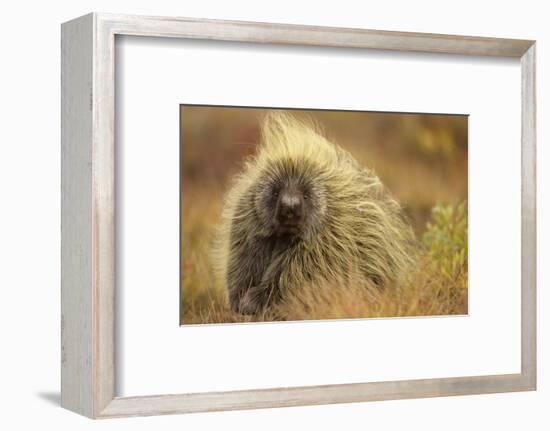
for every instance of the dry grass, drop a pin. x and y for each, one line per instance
(421, 159)
(438, 286)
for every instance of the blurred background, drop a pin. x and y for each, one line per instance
(421, 158)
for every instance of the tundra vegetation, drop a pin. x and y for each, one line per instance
(422, 160)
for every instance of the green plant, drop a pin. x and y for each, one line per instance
(446, 241)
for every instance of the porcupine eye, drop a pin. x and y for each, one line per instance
(306, 192)
(274, 193)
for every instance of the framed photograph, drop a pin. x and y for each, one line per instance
(265, 215)
(280, 223)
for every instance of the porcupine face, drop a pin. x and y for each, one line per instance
(290, 200)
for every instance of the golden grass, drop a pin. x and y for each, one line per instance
(428, 293)
(438, 286)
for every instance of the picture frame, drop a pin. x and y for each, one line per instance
(88, 383)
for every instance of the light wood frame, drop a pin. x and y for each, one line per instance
(88, 215)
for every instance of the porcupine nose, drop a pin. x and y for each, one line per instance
(290, 208)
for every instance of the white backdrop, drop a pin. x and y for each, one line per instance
(29, 228)
(156, 75)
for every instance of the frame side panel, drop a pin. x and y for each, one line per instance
(529, 219)
(76, 215)
(258, 32)
(312, 395)
(103, 213)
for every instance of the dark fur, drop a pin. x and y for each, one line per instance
(263, 244)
